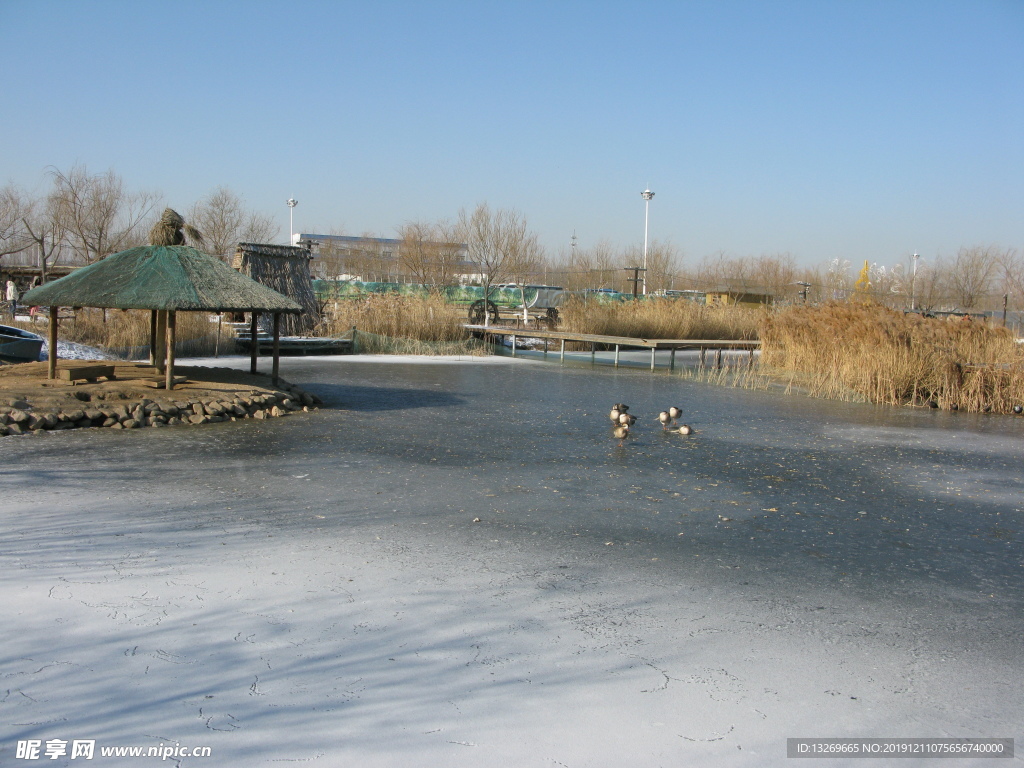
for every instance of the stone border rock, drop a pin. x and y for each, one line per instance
(19, 418)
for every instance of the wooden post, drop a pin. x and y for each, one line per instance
(277, 349)
(216, 346)
(703, 356)
(355, 346)
(593, 352)
(672, 360)
(545, 346)
(254, 343)
(171, 323)
(161, 341)
(718, 358)
(152, 337)
(51, 365)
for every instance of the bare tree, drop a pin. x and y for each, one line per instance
(46, 228)
(219, 216)
(13, 206)
(838, 280)
(776, 272)
(259, 228)
(224, 221)
(430, 253)
(930, 291)
(972, 274)
(662, 258)
(100, 216)
(596, 267)
(499, 242)
(1011, 273)
(887, 284)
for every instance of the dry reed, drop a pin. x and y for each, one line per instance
(125, 333)
(854, 351)
(402, 325)
(658, 318)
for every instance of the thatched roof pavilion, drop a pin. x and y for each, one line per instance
(285, 269)
(164, 279)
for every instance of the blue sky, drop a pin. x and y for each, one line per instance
(859, 130)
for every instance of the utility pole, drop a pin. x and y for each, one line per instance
(292, 202)
(635, 279)
(647, 195)
(913, 283)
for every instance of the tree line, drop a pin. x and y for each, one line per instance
(83, 217)
(502, 249)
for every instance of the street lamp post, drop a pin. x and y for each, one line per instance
(913, 283)
(292, 202)
(647, 195)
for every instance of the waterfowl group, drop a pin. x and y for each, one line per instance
(622, 420)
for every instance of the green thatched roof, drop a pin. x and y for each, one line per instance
(171, 277)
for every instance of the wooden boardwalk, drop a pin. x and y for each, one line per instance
(620, 342)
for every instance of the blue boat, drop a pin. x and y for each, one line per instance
(19, 346)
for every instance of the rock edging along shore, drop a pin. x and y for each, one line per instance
(18, 417)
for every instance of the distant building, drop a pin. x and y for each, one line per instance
(737, 292)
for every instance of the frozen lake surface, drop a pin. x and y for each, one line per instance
(315, 588)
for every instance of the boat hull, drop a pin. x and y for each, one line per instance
(19, 346)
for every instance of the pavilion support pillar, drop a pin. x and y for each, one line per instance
(51, 341)
(171, 319)
(160, 356)
(277, 349)
(152, 337)
(254, 342)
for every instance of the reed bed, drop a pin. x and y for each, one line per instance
(660, 319)
(853, 351)
(125, 333)
(395, 324)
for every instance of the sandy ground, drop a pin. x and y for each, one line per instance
(27, 382)
(315, 590)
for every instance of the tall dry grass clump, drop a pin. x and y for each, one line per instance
(408, 324)
(885, 356)
(658, 318)
(125, 333)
